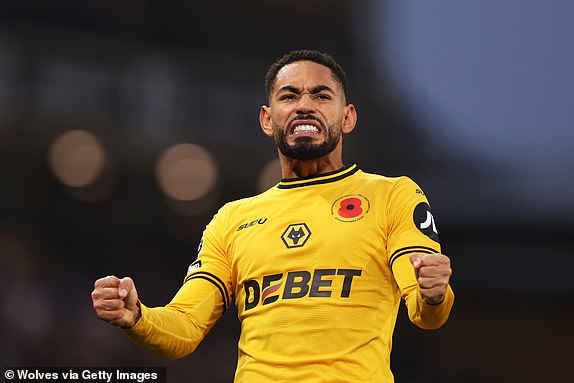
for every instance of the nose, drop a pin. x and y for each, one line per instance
(305, 104)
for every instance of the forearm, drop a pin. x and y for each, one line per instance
(175, 330)
(422, 314)
(428, 316)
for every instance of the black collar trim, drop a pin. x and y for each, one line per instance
(344, 172)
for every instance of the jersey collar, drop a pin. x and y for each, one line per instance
(344, 172)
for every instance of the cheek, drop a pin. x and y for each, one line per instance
(279, 119)
(333, 116)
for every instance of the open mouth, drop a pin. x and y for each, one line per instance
(305, 128)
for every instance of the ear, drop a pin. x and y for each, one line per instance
(350, 119)
(265, 121)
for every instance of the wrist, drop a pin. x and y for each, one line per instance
(136, 317)
(435, 301)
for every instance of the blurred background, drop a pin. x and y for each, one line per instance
(125, 125)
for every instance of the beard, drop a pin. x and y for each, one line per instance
(304, 148)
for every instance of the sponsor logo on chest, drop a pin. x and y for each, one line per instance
(298, 284)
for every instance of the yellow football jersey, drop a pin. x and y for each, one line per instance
(315, 267)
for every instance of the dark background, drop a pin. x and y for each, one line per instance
(472, 100)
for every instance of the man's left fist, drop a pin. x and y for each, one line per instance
(433, 274)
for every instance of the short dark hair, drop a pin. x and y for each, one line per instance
(305, 55)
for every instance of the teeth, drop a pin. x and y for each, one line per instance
(305, 128)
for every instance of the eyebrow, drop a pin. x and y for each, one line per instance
(315, 90)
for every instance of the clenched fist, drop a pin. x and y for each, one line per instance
(433, 274)
(115, 301)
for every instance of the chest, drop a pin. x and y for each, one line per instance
(308, 235)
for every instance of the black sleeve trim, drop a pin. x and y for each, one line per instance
(216, 281)
(408, 250)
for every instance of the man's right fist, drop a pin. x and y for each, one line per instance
(116, 301)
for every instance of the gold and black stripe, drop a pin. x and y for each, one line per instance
(410, 249)
(216, 281)
(291, 183)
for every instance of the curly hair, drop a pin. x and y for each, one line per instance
(305, 55)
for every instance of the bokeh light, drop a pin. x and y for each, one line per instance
(77, 158)
(186, 172)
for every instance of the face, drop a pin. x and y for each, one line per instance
(307, 111)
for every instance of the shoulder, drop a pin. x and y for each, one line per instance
(398, 192)
(391, 182)
(246, 205)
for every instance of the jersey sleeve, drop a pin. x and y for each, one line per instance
(412, 229)
(175, 330)
(213, 262)
(411, 226)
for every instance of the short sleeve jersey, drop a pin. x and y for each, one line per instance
(308, 264)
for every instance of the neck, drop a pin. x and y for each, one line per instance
(291, 168)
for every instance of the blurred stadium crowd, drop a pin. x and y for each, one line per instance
(124, 126)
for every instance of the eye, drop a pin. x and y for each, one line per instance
(323, 96)
(287, 97)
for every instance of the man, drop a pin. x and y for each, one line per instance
(316, 265)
